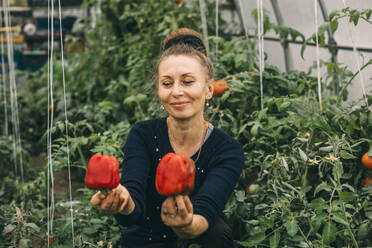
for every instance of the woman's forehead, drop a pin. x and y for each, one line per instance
(180, 64)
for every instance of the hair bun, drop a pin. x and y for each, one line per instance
(187, 39)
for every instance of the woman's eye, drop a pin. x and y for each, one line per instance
(188, 81)
(166, 83)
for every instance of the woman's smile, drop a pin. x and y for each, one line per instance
(179, 105)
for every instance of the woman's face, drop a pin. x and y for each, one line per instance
(183, 87)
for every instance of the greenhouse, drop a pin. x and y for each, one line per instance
(186, 123)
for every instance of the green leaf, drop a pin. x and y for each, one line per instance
(240, 195)
(346, 196)
(318, 220)
(89, 230)
(269, 223)
(333, 14)
(254, 240)
(9, 228)
(363, 231)
(292, 227)
(368, 14)
(284, 105)
(260, 206)
(322, 186)
(369, 214)
(302, 154)
(290, 186)
(275, 239)
(239, 60)
(346, 155)
(326, 148)
(354, 17)
(329, 232)
(334, 25)
(24, 243)
(323, 28)
(284, 163)
(318, 204)
(348, 186)
(96, 221)
(225, 96)
(339, 219)
(33, 226)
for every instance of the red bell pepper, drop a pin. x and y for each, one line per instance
(175, 175)
(102, 172)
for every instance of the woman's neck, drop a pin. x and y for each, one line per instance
(186, 136)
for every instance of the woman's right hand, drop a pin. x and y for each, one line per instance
(118, 200)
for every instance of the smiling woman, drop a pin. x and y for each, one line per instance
(183, 87)
(184, 82)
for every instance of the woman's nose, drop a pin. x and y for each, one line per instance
(177, 88)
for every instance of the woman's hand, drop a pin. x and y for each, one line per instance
(118, 200)
(177, 211)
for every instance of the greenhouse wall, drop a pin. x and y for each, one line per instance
(300, 16)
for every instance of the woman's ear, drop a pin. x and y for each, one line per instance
(210, 87)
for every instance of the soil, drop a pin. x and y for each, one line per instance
(61, 180)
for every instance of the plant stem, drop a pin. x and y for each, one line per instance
(349, 229)
(306, 240)
(82, 158)
(351, 79)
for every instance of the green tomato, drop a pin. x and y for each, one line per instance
(255, 130)
(253, 188)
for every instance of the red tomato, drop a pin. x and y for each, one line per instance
(175, 175)
(220, 87)
(247, 190)
(102, 172)
(367, 160)
(367, 181)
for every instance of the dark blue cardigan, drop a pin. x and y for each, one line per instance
(217, 171)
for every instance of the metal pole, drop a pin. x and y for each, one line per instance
(240, 14)
(283, 42)
(346, 48)
(332, 45)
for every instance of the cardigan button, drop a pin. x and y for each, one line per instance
(157, 149)
(164, 236)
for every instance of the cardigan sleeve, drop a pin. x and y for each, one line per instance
(226, 166)
(136, 168)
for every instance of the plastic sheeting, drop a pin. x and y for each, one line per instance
(299, 14)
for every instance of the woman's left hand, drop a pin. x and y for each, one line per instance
(177, 211)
